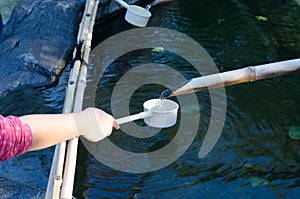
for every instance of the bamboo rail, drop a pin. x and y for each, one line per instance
(70, 165)
(58, 186)
(247, 74)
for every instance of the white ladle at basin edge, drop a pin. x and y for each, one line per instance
(157, 113)
(136, 15)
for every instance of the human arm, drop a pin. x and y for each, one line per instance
(50, 129)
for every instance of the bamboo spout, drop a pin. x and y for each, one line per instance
(247, 74)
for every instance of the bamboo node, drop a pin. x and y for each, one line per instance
(252, 73)
(57, 177)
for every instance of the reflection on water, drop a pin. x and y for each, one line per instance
(254, 141)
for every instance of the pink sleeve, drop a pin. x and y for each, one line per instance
(15, 137)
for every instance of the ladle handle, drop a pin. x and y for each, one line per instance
(123, 3)
(131, 118)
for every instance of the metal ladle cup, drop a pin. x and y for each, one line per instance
(157, 113)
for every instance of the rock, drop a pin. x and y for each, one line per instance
(39, 38)
(37, 41)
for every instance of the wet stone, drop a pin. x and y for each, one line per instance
(37, 41)
(39, 38)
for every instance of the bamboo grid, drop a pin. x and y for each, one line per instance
(62, 173)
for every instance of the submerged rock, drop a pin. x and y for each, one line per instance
(37, 41)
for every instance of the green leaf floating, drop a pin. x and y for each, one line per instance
(220, 21)
(257, 181)
(294, 133)
(262, 18)
(158, 49)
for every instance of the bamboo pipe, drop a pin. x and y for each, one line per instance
(55, 177)
(247, 74)
(82, 27)
(70, 165)
(156, 2)
(161, 1)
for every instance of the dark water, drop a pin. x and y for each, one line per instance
(254, 140)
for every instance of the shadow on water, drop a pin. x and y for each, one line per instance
(254, 140)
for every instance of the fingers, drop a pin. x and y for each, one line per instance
(116, 125)
(95, 124)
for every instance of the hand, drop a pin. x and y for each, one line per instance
(94, 124)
